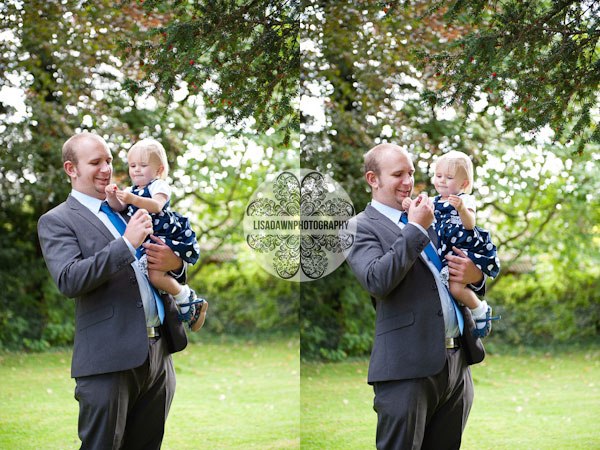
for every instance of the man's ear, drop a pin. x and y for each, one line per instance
(372, 179)
(70, 168)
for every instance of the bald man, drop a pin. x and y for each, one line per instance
(124, 333)
(424, 342)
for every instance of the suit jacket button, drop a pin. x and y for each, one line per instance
(440, 313)
(139, 304)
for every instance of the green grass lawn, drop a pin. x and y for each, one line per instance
(535, 401)
(230, 395)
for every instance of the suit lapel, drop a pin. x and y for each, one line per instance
(88, 216)
(373, 214)
(433, 237)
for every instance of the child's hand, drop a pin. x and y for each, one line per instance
(406, 204)
(111, 189)
(456, 201)
(125, 197)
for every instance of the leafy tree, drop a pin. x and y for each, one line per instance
(241, 58)
(537, 198)
(539, 61)
(58, 59)
(61, 59)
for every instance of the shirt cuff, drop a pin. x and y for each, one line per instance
(131, 249)
(420, 227)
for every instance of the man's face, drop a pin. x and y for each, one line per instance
(93, 171)
(395, 180)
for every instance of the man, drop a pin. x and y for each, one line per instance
(419, 361)
(124, 374)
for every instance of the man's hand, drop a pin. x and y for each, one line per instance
(138, 227)
(462, 269)
(161, 257)
(421, 211)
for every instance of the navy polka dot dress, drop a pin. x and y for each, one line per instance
(171, 227)
(476, 243)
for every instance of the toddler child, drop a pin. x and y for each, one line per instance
(454, 223)
(148, 169)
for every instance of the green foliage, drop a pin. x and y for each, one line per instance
(536, 197)
(553, 305)
(243, 298)
(337, 318)
(62, 60)
(241, 58)
(538, 61)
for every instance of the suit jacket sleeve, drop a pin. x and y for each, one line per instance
(73, 274)
(380, 269)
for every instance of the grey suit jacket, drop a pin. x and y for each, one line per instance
(409, 325)
(90, 265)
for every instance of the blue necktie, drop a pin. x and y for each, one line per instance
(437, 262)
(119, 224)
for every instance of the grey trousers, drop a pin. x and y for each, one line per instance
(425, 413)
(128, 409)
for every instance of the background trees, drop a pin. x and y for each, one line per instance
(241, 59)
(364, 65)
(370, 74)
(539, 61)
(64, 72)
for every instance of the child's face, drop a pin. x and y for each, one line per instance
(447, 182)
(141, 170)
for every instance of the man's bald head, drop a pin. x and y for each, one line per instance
(374, 156)
(74, 143)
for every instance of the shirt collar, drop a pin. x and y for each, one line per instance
(91, 203)
(391, 213)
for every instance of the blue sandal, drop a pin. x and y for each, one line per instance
(485, 331)
(191, 312)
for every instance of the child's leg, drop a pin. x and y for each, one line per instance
(479, 308)
(464, 295)
(165, 282)
(181, 294)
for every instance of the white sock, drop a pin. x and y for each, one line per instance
(479, 313)
(182, 297)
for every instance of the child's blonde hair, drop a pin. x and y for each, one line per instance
(458, 161)
(150, 149)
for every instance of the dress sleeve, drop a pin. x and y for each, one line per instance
(469, 202)
(160, 187)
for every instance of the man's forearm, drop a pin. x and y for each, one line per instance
(379, 272)
(73, 274)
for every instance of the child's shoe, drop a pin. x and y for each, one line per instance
(196, 311)
(199, 315)
(483, 323)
